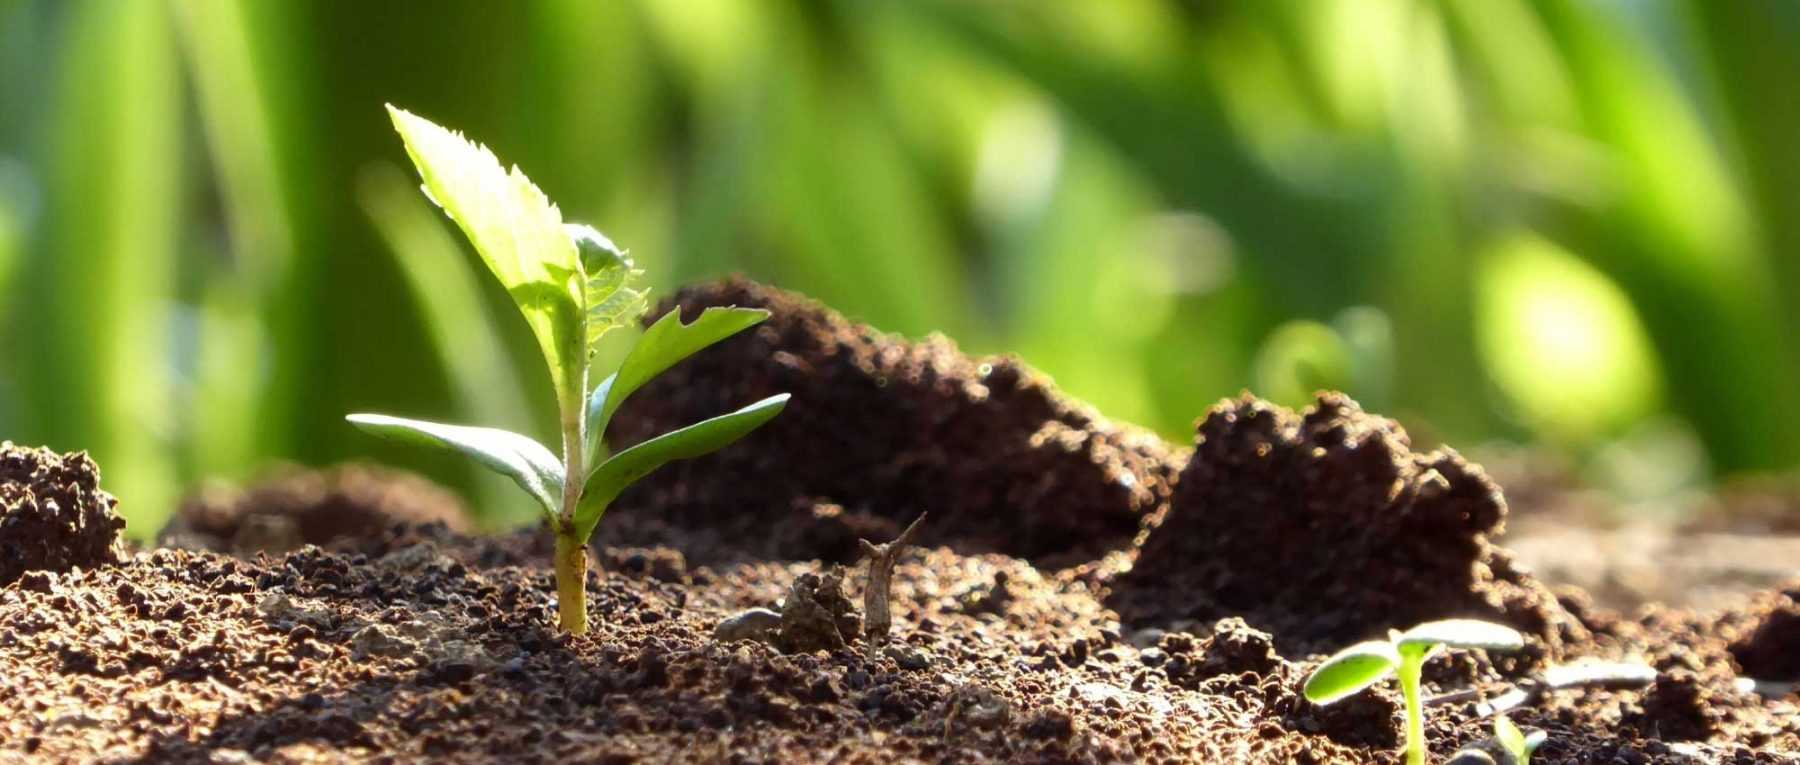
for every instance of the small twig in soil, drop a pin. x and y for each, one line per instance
(1612, 675)
(877, 619)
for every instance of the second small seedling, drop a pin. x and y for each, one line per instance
(1517, 742)
(1404, 654)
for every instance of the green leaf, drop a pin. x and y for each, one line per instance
(613, 292)
(1461, 633)
(667, 342)
(518, 457)
(704, 437)
(518, 233)
(1351, 670)
(1510, 737)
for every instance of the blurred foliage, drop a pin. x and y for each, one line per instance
(1550, 221)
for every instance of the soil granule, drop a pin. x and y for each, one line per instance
(1060, 640)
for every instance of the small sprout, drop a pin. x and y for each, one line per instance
(1516, 742)
(1404, 653)
(879, 617)
(573, 286)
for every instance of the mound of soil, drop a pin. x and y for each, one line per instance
(1286, 536)
(1325, 528)
(53, 515)
(294, 507)
(879, 430)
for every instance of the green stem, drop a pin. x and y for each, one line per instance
(571, 582)
(571, 549)
(1412, 664)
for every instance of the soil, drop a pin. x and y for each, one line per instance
(1079, 593)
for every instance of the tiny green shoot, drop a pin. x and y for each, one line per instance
(573, 286)
(1516, 742)
(1404, 653)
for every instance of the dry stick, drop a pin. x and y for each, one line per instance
(1598, 674)
(881, 573)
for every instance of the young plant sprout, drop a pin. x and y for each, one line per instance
(1404, 653)
(1516, 742)
(573, 287)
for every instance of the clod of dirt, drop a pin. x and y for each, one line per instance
(888, 428)
(1682, 706)
(1326, 528)
(53, 515)
(1772, 649)
(295, 507)
(816, 615)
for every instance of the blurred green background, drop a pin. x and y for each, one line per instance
(1569, 225)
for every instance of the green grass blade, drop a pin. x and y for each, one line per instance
(1351, 670)
(700, 438)
(97, 371)
(518, 457)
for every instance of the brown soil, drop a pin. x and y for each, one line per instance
(53, 515)
(295, 507)
(879, 430)
(1073, 600)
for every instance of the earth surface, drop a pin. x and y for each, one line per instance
(1079, 592)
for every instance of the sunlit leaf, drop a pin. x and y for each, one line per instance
(666, 343)
(1509, 736)
(518, 457)
(700, 438)
(1351, 670)
(614, 291)
(518, 233)
(1462, 633)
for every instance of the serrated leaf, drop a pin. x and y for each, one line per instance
(1461, 633)
(613, 292)
(527, 462)
(519, 235)
(704, 437)
(663, 345)
(1351, 670)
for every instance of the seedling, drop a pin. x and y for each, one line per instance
(573, 287)
(1404, 653)
(1516, 742)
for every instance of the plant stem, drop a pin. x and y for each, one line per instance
(571, 550)
(571, 582)
(1412, 664)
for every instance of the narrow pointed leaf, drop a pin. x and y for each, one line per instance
(704, 437)
(1462, 633)
(518, 233)
(518, 457)
(666, 343)
(1510, 737)
(1351, 670)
